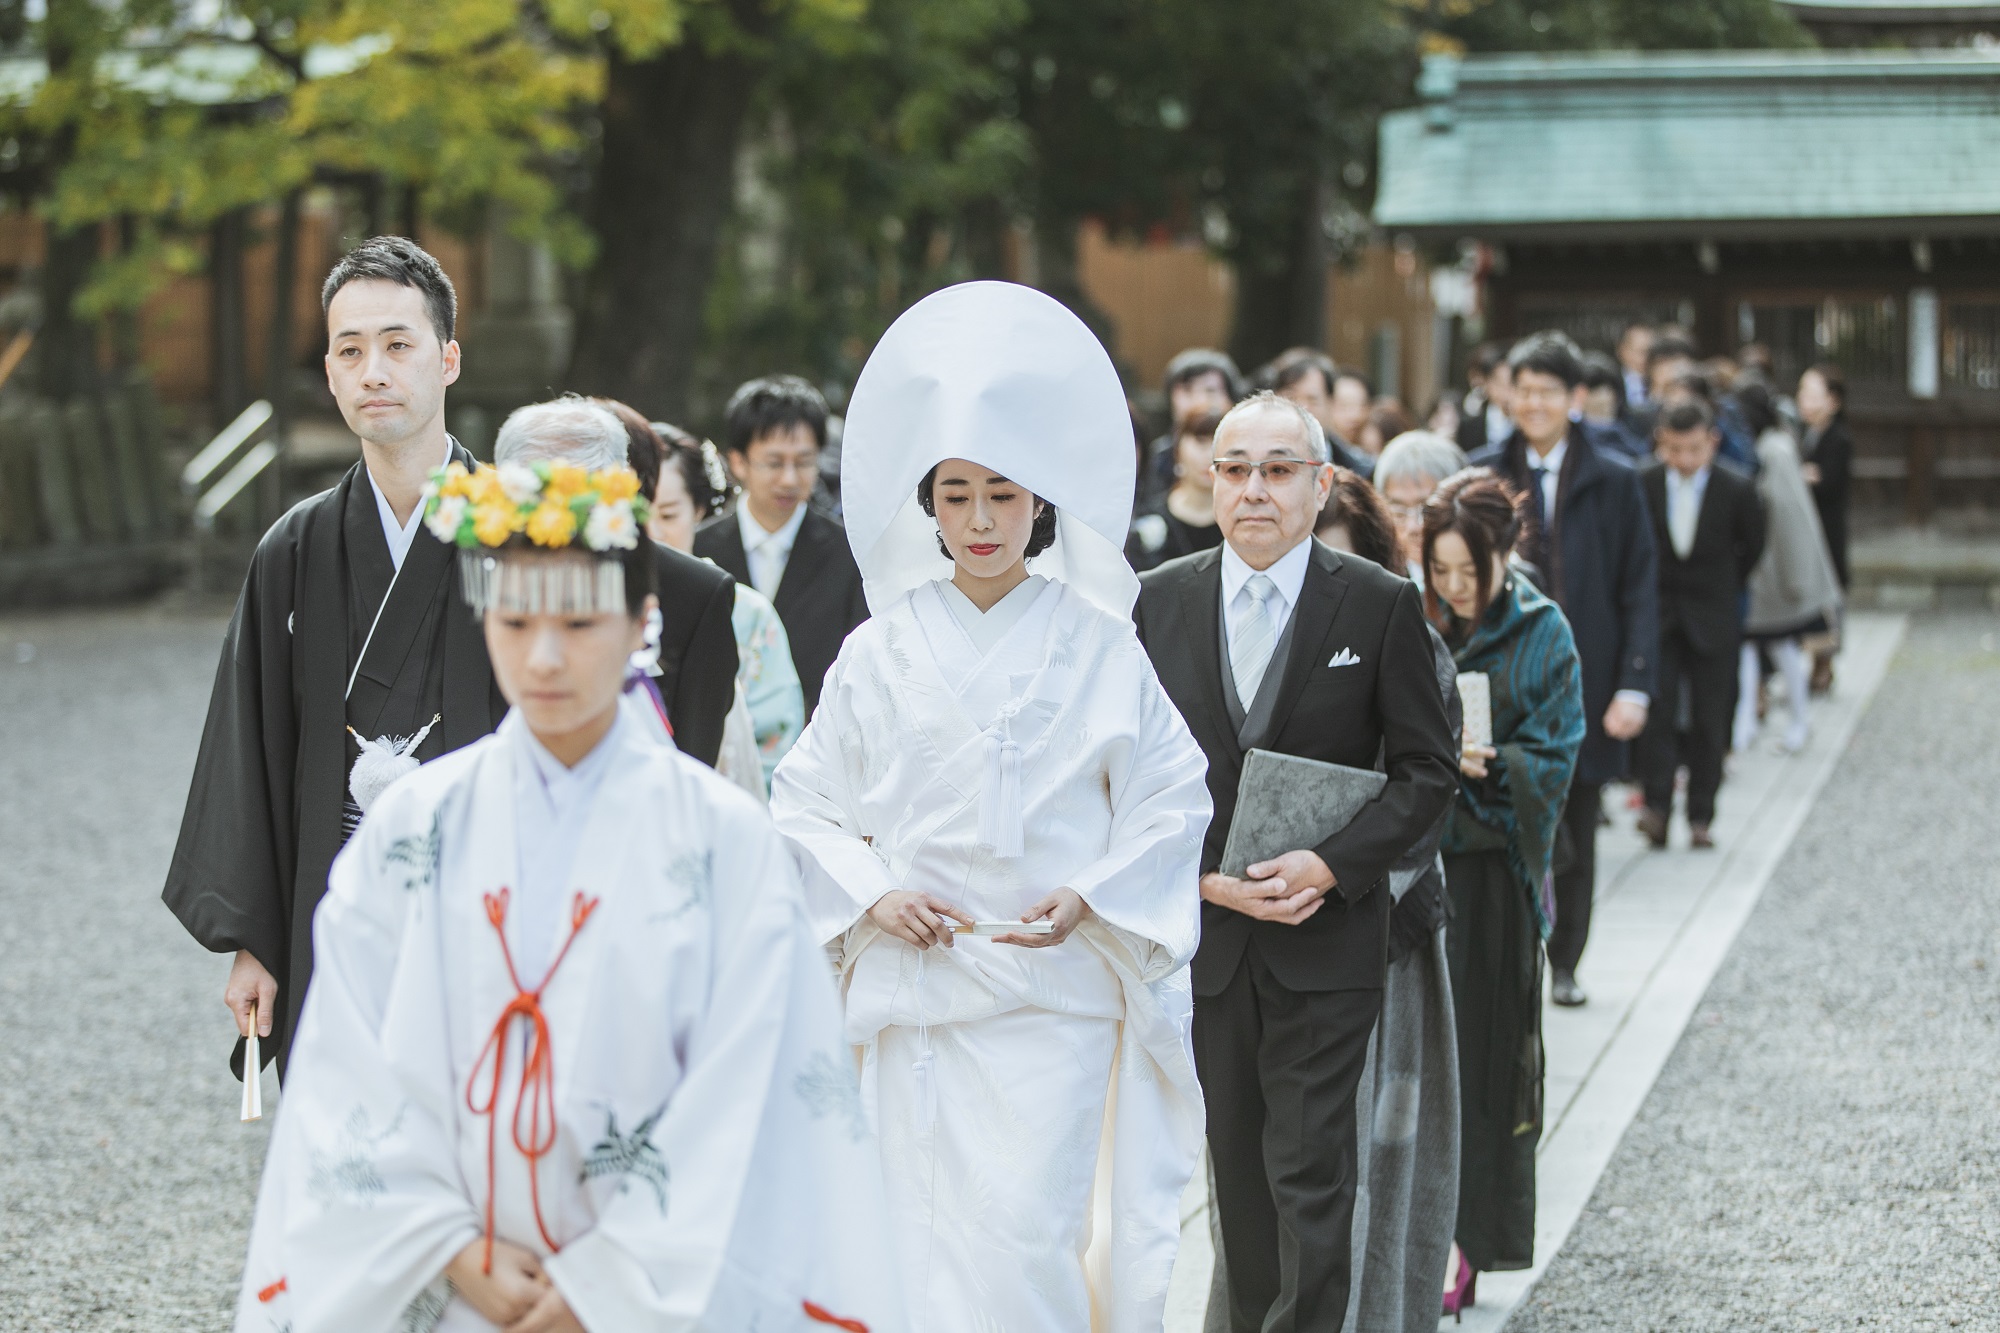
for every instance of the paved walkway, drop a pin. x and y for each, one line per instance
(125, 1178)
(1819, 1152)
(1662, 925)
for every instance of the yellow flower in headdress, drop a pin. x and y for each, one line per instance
(455, 482)
(483, 488)
(566, 482)
(614, 484)
(551, 524)
(493, 524)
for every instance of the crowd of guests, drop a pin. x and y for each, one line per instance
(1629, 547)
(1581, 574)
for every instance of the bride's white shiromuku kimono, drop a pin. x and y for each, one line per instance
(1032, 1104)
(708, 1165)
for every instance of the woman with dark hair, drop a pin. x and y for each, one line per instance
(1183, 522)
(1827, 452)
(1498, 851)
(1354, 518)
(1005, 814)
(1408, 1158)
(1795, 595)
(686, 483)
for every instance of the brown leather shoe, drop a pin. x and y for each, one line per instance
(1653, 826)
(1700, 838)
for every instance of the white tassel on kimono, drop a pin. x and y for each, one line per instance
(382, 761)
(1000, 800)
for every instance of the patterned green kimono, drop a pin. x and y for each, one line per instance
(1498, 853)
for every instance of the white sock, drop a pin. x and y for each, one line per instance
(1749, 677)
(1797, 670)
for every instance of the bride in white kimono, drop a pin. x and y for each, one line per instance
(993, 747)
(570, 1059)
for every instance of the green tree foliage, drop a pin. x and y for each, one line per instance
(825, 161)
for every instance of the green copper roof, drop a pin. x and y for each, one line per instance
(1893, 11)
(1715, 145)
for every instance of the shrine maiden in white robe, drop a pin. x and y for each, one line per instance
(709, 1165)
(1037, 1109)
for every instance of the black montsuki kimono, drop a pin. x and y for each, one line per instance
(267, 809)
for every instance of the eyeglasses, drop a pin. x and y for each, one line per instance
(778, 467)
(1277, 471)
(1404, 513)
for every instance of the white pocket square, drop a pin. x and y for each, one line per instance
(1345, 657)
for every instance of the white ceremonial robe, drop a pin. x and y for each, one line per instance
(1035, 1160)
(710, 1167)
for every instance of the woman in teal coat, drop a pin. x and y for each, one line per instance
(1499, 850)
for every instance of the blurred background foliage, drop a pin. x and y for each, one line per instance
(742, 185)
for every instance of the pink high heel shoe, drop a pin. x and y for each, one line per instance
(1460, 1298)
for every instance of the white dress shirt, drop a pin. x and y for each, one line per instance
(400, 535)
(1498, 424)
(768, 552)
(1551, 464)
(1684, 508)
(1635, 388)
(1287, 575)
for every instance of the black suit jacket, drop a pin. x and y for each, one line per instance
(819, 599)
(1602, 570)
(1387, 706)
(1702, 596)
(697, 649)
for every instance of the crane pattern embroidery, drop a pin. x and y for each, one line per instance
(418, 854)
(347, 1175)
(693, 872)
(629, 1155)
(828, 1089)
(426, 1312)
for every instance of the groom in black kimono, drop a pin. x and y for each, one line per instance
(1276, 642)
(344, 621)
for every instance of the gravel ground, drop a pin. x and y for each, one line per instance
(125, 1178)
(1819, 1152)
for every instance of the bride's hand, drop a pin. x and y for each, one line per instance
(916, 918)
(1065, 907)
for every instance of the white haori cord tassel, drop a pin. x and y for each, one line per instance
(1000, 815)
(382, 761)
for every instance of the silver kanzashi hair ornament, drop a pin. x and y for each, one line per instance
(527, 584)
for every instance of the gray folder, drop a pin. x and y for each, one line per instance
(1285, 803)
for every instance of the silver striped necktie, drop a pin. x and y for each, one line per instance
(1256, 635)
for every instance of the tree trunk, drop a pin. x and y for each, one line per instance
(66, 347)
(229, 369)
(664, 189)
(278, 344)
(1281, 263)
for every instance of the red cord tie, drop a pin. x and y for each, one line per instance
(819, 1314)
(538, 1075)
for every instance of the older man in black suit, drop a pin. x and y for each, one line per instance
(1709, 527)
(1278, 643)
(773, 540)
(1594, 545)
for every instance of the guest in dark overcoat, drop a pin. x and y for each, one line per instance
(1593, 543)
